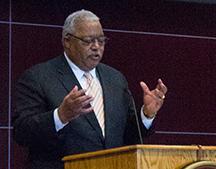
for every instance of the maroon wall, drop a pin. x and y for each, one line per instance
(148, 39)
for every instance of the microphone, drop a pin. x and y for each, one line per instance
(136, 115)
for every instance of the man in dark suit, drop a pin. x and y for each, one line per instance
(56, 115)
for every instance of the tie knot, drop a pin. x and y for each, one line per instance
(87, 75)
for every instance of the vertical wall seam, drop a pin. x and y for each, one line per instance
(9, 88)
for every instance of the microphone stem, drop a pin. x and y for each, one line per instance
(137, 121)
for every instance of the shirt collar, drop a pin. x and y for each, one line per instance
(77, 71)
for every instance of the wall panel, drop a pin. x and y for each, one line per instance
(4, 149)
(185, 64)
(4, 8)
(37, 45)
(4, 60)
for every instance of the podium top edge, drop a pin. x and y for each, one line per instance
(135, 148)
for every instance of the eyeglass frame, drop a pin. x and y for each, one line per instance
(91, 40)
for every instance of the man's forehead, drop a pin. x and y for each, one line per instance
(89, 27)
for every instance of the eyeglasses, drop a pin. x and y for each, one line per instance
(102, 40)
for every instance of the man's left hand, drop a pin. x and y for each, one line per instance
(153, 99)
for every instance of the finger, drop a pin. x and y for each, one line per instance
(74, 89)
(83, 111)
(161, 86)
(79, 104)
(85, 106)
(83, 100)
(86, 110)
(159, 94)
(146, 90)
(144, 87)
(75, 93)
(71, 93)
(80, 92)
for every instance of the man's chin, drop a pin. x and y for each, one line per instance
(89, 67)
(94, 62)
(92, 66)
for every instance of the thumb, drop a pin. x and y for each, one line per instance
(75, 88)
(144, 87)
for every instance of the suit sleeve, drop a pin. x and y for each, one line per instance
(34, 123)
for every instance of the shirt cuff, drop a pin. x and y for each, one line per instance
(58, 124)
(146, 121)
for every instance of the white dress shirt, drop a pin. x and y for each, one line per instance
(79, 75)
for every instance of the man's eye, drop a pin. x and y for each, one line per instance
(87, 40)
(102, 39)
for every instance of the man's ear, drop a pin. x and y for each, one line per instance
(66, 42)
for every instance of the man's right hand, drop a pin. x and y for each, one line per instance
(74, 104)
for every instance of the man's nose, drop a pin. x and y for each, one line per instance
(95, 44)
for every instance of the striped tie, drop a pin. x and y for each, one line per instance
(94, 89)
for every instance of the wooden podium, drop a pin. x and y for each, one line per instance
(141, 157)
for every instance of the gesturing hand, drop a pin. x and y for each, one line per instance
(74, 104)
(153, 100)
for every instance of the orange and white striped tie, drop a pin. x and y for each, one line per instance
(94, 89)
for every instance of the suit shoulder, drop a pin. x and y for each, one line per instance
(44, 66)
(41, 71)
(112, 74)
(49, 64)
(109, 69)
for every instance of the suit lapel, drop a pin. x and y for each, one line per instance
(67, 76)
(108, 94)
(69, 80)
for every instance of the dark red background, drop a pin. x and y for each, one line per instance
(148, 39)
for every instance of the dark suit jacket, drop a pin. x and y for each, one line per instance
(42, 88)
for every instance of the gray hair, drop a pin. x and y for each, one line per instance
(76, 17)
